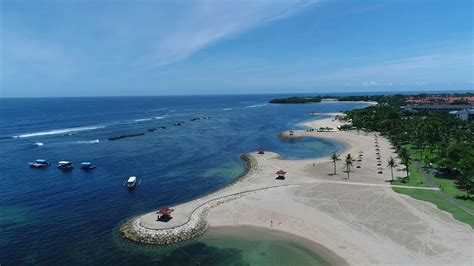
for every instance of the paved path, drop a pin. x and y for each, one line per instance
(433, 184)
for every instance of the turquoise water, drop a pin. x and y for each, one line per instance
(52, 217)
(230, 246)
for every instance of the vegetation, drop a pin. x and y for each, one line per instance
(441, 143)
(348, 164)
(391, 163)
(316, 99)
(334, 159)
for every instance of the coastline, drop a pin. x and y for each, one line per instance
(251, 201)
(253, 233)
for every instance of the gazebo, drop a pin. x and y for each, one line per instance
(261, 151)
(164, 214)
(280, 174)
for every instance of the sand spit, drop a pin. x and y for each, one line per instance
(360, 218)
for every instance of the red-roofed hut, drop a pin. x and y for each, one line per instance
(164, 212)
(280, 174)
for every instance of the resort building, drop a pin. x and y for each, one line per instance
(465, 115)
(437, 107)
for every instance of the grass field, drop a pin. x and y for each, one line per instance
(448, 186)
(442, 204)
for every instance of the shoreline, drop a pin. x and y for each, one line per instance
(292, 206)
(242, 231)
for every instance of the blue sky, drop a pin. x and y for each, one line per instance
(100, 48)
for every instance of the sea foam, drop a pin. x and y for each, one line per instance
(87, 141)
(256, 105)
(58, 131)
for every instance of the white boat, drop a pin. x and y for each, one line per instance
(132, 181)
(65, 165)
(39, 163)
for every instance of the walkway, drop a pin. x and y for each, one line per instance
(445, 196)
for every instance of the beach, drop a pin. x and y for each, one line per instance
(358, 219)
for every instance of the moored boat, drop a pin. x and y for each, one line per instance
(131, 182)
(65, 165)
(87, 166)
(39, 163)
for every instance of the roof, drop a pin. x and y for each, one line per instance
(280, 172)
(165, 211)
(443, 106)
(40, 161)
(64, 162)
(132, 179)
(86, 163)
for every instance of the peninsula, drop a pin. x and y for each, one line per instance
(347, 209)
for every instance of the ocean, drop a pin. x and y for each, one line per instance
(52, 217)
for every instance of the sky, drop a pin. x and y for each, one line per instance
(120, 48)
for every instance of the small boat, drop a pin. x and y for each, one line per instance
(39, 163)
(132, 181)
(65, 165)
(87, 166)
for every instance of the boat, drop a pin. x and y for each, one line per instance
(39, 163)
(132, 181)
(87, 166)
(65, 165)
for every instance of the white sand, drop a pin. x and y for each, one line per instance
(331, 122)
(363, 224)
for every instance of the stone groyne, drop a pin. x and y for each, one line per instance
(196, 224)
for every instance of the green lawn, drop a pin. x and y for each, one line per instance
(442, 204)
(447, 185)
(416, 179)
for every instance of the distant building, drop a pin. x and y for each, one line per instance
(465, 115)
(437, 107)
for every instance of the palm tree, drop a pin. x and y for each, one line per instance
(391, 164)
(348, 164)
(405, 160)
(334, 159)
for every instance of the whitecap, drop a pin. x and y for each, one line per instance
(256, 105)
(142, 119)
(227, 109)
(87, 141)
(58, 131)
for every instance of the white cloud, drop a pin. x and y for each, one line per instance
(202, 23)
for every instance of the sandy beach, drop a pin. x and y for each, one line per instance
(331, 122)
(359, 220)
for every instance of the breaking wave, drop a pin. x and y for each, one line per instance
(256, 105)
(143, 119)
(58, 131)
(87, 141)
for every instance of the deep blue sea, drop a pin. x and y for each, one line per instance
(52, 217)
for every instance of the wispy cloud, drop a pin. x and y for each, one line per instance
(203, 23)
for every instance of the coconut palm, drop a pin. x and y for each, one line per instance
(405, 160)
(348, 164)
(391, 164)
(334, 159)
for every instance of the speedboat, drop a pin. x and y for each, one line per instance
(39, 163)
(132, 181)
(65, 165)
(87, 166)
